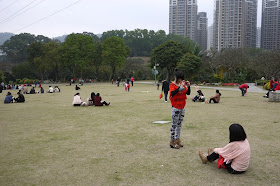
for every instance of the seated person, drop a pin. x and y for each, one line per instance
(42, 90)
(77, 88)
(216, 98)
(98, 101)
(78, 100)
(20, 98)
(200, 97)
(91, 99)
(24, 89)
(56, 89)
(32, 91)
(50, 90)
(8, 98)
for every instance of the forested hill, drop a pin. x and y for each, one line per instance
(4, 36)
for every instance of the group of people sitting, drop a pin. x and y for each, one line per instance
(201, 98)
(10, 99)
(274, 86)
(56, 89)
(94, 100)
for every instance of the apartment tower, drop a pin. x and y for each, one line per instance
(183, 18)
(270, 30)
(202, 24)
(235, 24)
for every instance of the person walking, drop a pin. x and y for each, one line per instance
(165, 89)
(178, 96)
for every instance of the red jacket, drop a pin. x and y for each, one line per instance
(271, 84)
(244, 86)
(132, 79)
(277, 86)
(178, 100)
(97, 101)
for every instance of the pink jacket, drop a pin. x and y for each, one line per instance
(237, 151)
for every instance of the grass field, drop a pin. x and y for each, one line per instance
(47, 141)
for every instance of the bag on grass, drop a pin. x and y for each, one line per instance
(161, 95)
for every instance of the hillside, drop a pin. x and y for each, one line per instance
(4, 36)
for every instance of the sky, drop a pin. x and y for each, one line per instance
(54, 18)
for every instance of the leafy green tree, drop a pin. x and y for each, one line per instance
(78, 50)
(114, 53)
(16, 46)
(190, 64)
(167, 56)
(23, 70)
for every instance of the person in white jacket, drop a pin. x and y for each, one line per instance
(78, 100)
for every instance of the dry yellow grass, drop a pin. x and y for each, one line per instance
(47, 141)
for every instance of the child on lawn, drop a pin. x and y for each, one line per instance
(178, 92)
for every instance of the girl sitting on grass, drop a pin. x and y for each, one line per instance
(235, 156)
(78, 100)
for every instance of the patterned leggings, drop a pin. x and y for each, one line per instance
(177, 119)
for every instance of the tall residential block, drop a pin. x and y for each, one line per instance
(210, 38)
(202, 26)
(270, 31)
(235, 24)
(258, 43)
(183, 18)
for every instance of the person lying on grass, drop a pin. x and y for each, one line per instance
(78, 101)
(235, 156)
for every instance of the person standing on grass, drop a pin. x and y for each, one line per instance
(216, 98)
(243, 89)
(178, 96)
(165, 89)
(132, 80)
(235, 156)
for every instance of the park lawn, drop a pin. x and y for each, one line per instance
(47, 141)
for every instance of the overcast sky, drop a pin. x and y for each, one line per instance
(95, 16)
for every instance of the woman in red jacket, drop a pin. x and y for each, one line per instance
(98, 101)
(178, 92)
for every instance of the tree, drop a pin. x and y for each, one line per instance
(78, 50)
(190, 64)
(16, 46)
(167, 55)
(114, 53)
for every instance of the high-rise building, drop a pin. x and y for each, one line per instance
(202, 25)
(235, 24)
(258, 44)
(270, 31)
(183, 18)
(210, 39)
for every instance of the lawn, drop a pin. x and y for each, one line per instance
(47, 141)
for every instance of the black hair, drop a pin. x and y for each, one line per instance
(179, 74)
(18, 93)
(97, 94)
(92, 95)
(218, 92)
(77, 94)
(248, 86)
(236, 133)
(9, 93)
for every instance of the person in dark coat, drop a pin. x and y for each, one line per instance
(1, 88)
(20, 98)
(165, 88)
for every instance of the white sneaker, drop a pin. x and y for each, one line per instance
(165, 101)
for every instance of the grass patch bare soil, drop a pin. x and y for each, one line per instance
(47, 141)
